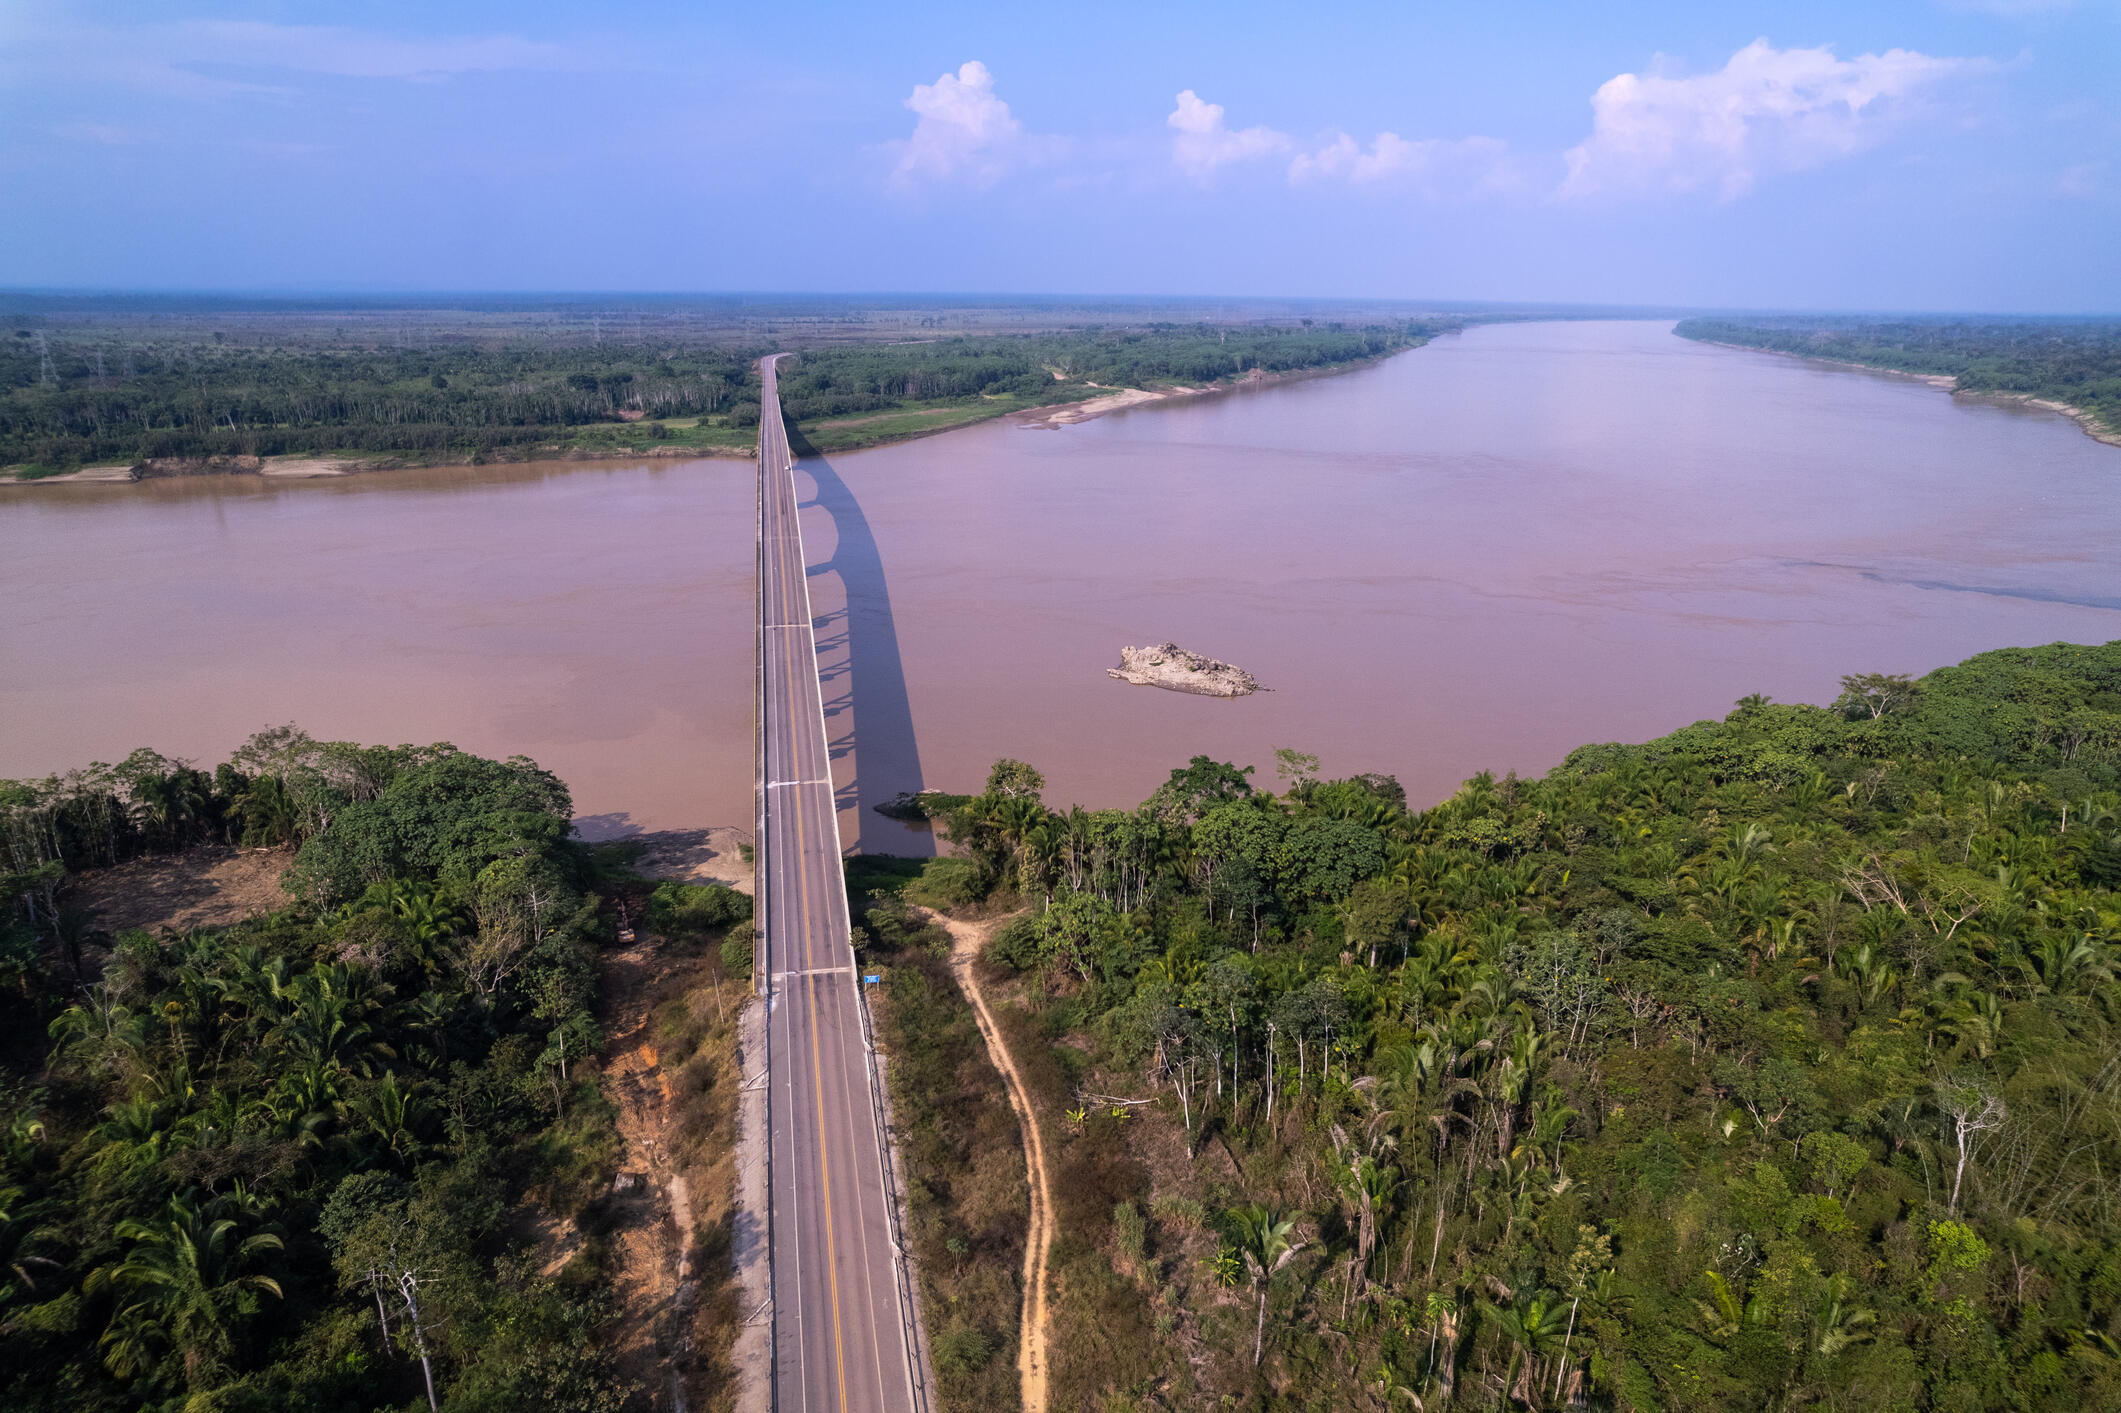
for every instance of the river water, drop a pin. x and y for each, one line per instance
(1475, 555)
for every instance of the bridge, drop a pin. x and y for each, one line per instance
(845, 1335)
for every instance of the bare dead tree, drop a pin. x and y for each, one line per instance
(1973, 1110)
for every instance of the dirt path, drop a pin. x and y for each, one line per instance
(969, 938)
(673, 1076)
(654, 1232)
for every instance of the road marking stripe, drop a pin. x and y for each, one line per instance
(855, 1145)
(824, 1162)
(814, 844)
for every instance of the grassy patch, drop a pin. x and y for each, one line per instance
(647, 437)
(967, 1203)
(878, 873)
(848, 434)
(1106, 1350)
(694, 1031)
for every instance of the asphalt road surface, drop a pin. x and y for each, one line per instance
(841, 1333)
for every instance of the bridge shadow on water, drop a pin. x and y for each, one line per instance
(867, 713)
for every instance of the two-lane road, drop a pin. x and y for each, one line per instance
(842, 1335)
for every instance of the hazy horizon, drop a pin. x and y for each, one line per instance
(295, 297)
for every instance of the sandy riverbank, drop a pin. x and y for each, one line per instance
(1068, 414)
(1935, 380)
(2086, 422)
(87, 475)
(309, 468)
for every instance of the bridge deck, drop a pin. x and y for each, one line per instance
(842, 1327)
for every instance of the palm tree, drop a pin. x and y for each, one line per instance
(269, 813)
(1838, 1323)
(1040, 855)
(430, 918)
(109, 1032)
(1077, 841)
(1389, 1387)
(1530, 1325)
(1744, 841)
(1442, 1313)
(2065, 965)
(1367, 1185)
(1976, 1024)
(303, 1101)
(166, 804)
(135, 1135)
(1013, 818)
(324, 1025)
(251, 984)
(1727, 1313)
(184, 1286)
(389, 1112)
(1874, 977)
(17, 1233)
(1264, 1239)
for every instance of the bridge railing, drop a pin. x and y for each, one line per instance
(761, 918)
(901, 1260)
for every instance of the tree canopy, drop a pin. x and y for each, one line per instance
(283, 1164)
(1763, 1065)
(2072, 361)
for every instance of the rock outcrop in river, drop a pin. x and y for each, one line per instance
(1171, 667)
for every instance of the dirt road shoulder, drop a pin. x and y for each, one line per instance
(968, 939)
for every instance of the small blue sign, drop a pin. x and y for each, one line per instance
(873, 978)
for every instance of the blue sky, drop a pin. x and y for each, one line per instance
(1930, 154)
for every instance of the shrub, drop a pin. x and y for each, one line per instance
(946, 883)
(737, 950)
(694, 909)
(1016, 945)
(1129, 1233)
(961, 1349)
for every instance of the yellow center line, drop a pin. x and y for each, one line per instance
(817, 1074)
(839, 1358)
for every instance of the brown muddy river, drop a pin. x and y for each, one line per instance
(1476, 555)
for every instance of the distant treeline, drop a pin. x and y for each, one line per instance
(76, 394)
(66, 399)
(2073, 361)
(835, 382)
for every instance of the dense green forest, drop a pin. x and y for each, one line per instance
(293, 1163)
(135, 391)
(836, 382)
(2071, 361)
(73, 398)
(1770, 1064)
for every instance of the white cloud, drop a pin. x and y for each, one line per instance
(962, 129)
(1203, 142)
(1458, 164)
(200, 58)
(350, 53)
(107, 134)
(2011, 9)
(2079, 179)
(1766, 110)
